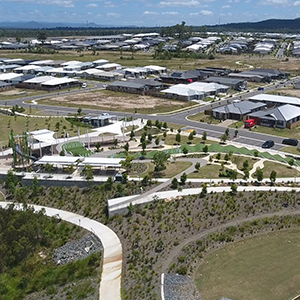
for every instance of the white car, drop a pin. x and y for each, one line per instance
(84, 85)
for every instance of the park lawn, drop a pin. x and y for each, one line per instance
(171, 140)
(201, 117)
(265, 267)
(286, 133)
(172, 169)
(281, 170)
(292, 150)
(239, 160)
(20, 124)
(210, 171)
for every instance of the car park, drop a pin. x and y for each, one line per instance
(268, 144)
(291, 142)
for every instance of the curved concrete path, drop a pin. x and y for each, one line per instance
(110, 285)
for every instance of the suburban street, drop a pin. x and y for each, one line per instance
(245, 136)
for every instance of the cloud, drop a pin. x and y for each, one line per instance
(206, 13)
(275, 2)
(150, 13)
(171, 13)
(64, 3)
(109, 4)
(113, 15)
(187, 3)
(92, 5)
(297, 3)
(226, 6)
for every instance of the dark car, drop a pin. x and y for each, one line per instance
(260, 88)
(268, 144)
(291, 142)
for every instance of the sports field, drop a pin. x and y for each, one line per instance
(77, 149)
(260, 268)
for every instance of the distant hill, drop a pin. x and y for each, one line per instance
(272, 25)
(48, 25)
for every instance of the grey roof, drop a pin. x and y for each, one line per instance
(242, 108)
(148, 82)
(224, 80)
(276, 99)
(127, 84)
(285, 113)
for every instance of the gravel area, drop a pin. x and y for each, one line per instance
(78, 249)
(178, 287)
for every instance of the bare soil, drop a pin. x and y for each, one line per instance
(116, 101)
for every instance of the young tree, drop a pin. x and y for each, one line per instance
(233, 189)
(150, 137)
(197, 166)
(98, 146)
(165, 135)
(233, 175)
(159, 160)
(165, 125)
(246, 174)
(291, 162)
(259, 174)
(245, 165)
(273, 175)
(115, 142)
(149, 123)
(144, 146)
(183, 178)
(185, 151)
(204, 190)
(174, 183)
(236, 133)
(79, 110)
(126, 147)
(132, 134)
(157, 141)
(158, 124)
(205, 149)
(191, 136)
(204, 136)
(178, 138)
(224, 138)
(226, 157)
(227, 132)
(218, 156)
(88, 172)
(255, 153)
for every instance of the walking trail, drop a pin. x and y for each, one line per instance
(110, 285)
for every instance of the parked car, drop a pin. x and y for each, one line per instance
(260, 88)
(268, 144)
(84, 85)
(291, 142)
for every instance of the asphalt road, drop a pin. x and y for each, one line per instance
(245, 137)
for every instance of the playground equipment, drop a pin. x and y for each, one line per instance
(20, 146)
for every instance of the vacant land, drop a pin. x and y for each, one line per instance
(261, 268)
(19, 93)
(288, 133)
(115, 101)
(143, 59)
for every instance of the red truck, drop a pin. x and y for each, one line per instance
(249, 123)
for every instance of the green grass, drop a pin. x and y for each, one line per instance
(172, 169)
(201, 117)
(292, 150)
(170, 140)
(20, 124)
(209, 171)
(287, 133)
(238, 124)
(260, 268)
(77, 149)
(281, 170)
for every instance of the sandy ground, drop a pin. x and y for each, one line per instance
(116, 101)
(291, 92)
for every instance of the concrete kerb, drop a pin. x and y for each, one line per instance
(110, 285)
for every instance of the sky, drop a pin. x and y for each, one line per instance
(148, 12)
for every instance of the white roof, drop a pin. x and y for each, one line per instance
(72, 62)
(155, 68)
(57, 81)
(101, 162)
(9, 76)
(182, 90)
(276, 98)
(43, 135)
(206, 87)
(39, 79)
(90, 71)
(109, 65)
(100, 61)
(38, 62)
(57, 160)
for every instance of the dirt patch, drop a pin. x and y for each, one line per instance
(12, 92)
(290, 92)
(115, 101)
